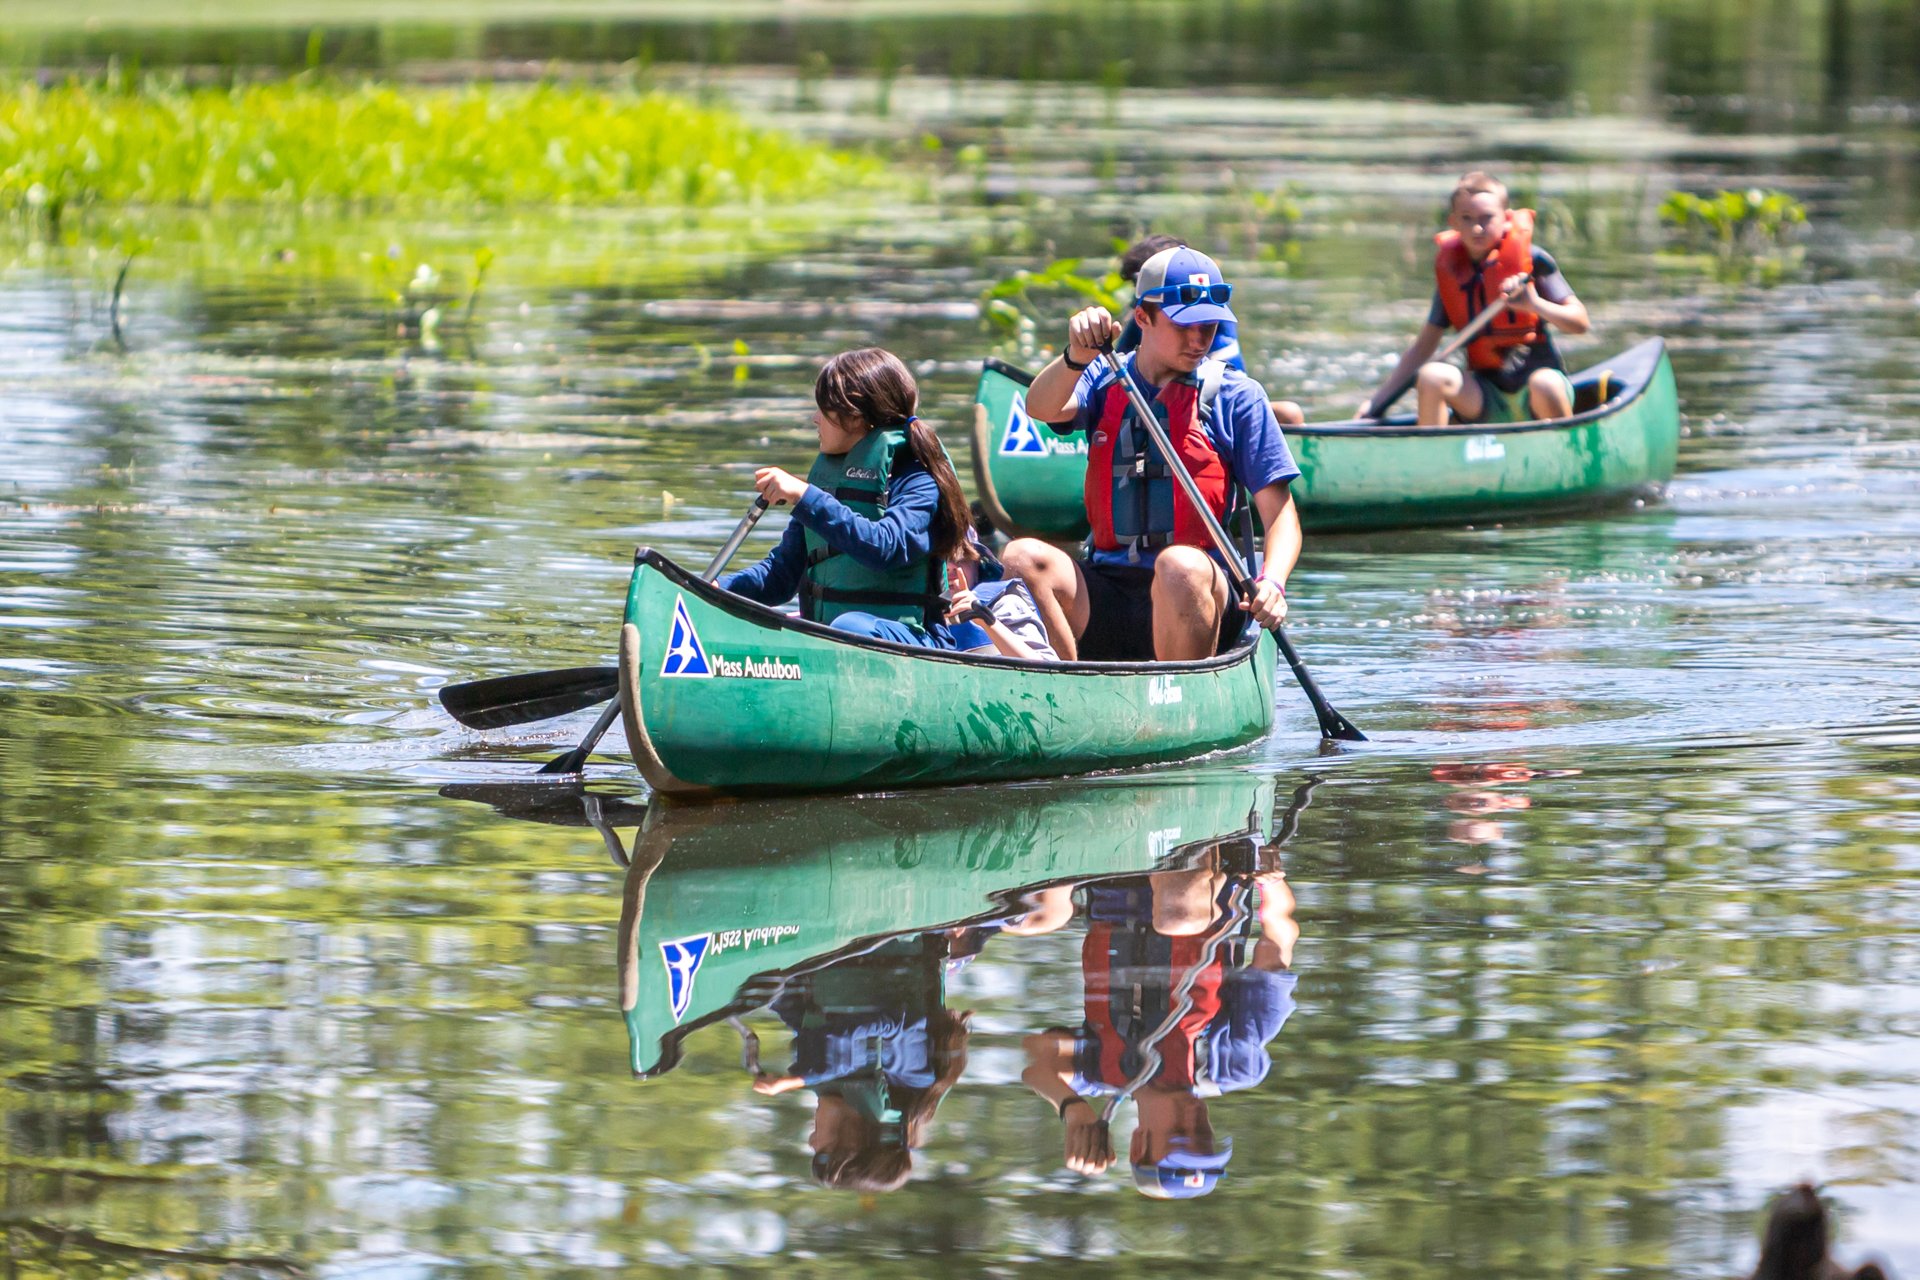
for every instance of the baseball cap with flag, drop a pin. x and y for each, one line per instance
(1186, 284)
(1185, 1172)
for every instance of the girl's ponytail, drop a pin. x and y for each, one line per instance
(953, 519)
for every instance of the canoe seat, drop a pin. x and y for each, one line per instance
(1591, 395)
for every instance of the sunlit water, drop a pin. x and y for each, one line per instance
(1608, 936)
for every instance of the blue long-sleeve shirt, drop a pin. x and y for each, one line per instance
(900, 537)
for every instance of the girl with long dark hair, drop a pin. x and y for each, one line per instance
(878, 517)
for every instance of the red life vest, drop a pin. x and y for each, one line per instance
(1133, 501)
(1466, 287)
(1123, 1020)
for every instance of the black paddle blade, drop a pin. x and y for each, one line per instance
(535, 695)
(1333, 726)
(1339, 728)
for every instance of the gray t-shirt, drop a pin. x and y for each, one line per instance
(1012, 606)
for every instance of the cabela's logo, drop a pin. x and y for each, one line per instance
(687, 657)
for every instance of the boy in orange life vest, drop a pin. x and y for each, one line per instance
(1515, 373)
(1150, 588)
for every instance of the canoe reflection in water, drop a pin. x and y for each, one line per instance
(845, 920)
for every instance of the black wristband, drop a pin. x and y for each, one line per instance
(977, 613)
(1073, 364)
(1068, 1101)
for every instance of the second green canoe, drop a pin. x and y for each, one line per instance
(1620, 444)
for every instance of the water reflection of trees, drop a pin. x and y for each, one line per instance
(394, 1019)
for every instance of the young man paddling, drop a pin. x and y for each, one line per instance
(1514, 371)
(1151, 587)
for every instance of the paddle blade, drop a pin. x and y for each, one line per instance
(537, 695)
(1333, 726)
(1339, 728)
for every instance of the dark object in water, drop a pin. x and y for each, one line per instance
(1795, 1244)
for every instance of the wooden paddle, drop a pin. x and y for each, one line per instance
(1333, 725)
(500, 702)
(576, 760)
(1378, 406)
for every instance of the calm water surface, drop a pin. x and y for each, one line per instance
(1610, 935)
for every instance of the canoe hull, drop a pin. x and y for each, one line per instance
(724, 696)
(1393, 474)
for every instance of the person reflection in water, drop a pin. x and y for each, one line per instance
(874, 1041)
(1180, 1003)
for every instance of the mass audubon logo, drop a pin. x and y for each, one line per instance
(687, 658)
(1024, 436)
(684, 956)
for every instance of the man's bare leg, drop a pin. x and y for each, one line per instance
(1189, 596)
(1289, 414)
(1059, 591)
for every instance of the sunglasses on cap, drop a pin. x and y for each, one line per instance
(1188, 294)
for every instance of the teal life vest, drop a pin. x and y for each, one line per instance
(834, 582)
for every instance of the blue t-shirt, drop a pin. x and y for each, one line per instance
(903, 535)
(1243, 430)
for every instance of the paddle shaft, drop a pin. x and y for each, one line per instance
(1381, 403)
(738, 536)
(576, 760)
(1332, 723)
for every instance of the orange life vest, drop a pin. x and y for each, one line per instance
(1466, 287)
(1133, 501)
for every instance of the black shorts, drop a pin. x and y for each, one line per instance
(1120, 615)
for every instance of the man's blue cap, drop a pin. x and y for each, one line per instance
(1182, 264)
(1183, 1173)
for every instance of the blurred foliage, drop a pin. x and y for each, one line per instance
(1020, 306)
(1749, 233)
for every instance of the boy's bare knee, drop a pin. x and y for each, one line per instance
(1547, 388)
(1028, 557)
(1289, 414)
(1440, 376)
(1183, 569)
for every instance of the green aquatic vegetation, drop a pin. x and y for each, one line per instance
(1268, 222)
(1748, 233)
(1012, 310)
(318, 142)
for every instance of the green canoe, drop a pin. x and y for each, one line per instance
(724, 905)
(720, 694)
(1620, 445)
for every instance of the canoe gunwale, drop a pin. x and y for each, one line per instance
(1648, 356)
(760, 615)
